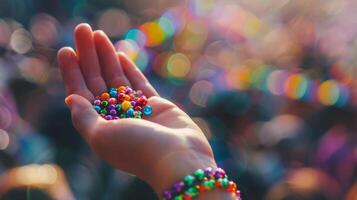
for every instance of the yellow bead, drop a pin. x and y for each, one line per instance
(125, 105)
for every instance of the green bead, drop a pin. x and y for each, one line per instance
(118, 107)
(199, 174)
(137, 116)
(210, 184)
(224, 182)
(180, 197)
(104, 103)
(189, 180)
(103, 111)
(192, 191)
(122, 115)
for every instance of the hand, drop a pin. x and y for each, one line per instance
(160, 149)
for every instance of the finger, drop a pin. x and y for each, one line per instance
(71, 73)
(111, 69)
(88, 59)
(84, 117)
(135, 76)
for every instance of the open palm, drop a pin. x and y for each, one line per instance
(144, 147)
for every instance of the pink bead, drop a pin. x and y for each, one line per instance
(97, 102)
(112, 101)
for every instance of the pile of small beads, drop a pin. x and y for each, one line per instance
(199, 182)
(122, 102)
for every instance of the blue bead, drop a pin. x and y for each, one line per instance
(113, 94)
(97, 108)
(147, 110)
(130, 112)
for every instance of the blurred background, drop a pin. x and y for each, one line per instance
(270, 82)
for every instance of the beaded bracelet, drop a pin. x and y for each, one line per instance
(201, 181)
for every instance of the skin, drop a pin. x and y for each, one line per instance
(167, 144)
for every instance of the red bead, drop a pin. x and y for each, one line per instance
(138, 108)
(232, 187)
(121, 96)
(201, 188)
(218, 184)
(187, 197)
(143, 100)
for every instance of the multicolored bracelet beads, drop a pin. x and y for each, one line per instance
(200, 181)
(122, 102)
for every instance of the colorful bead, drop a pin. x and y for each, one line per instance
(112, 101)
(199, 174)
(125, 105)
(201, 181)
(113, 93)
(97, 108)
(105, 96)
(147, 110)
(96, 102)
(122, 102)
(189, 180)
(104, 103)
(130, 112)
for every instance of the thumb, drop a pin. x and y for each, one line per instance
(84, 117)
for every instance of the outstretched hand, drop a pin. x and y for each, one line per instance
(167, 144)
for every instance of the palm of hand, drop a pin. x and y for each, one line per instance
(128, 144)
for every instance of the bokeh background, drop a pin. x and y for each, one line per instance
(270, 82)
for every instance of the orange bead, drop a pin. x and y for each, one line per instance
(127, 98)
(105, 96)
(121, 89)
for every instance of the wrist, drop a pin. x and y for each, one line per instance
(175, 166)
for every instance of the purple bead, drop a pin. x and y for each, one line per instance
(139, 93)
(220, 173)
(209, 172)
(97, 102)
(128, 90)
(111, 107)
(178, 187)
(113, 112)
(115, 117)
(133, 103)
(108, 117)
(168, 195)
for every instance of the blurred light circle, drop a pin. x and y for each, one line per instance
(200, 91)
(296, 86)
(328, 92)
(114, 22)
(137, 36)
(21, 41)
(5, 33)
(259, 77)
(4, 139)
(201, 7)
(36, 175)
(160, 64)
(128, 46)
(178, 65)
(275, 82)
(44, 29)
(5, 117)
(344, 96)
(192, 37)
(155, 35)
(142, 60)
(239, 78)
(175, 17)
(34, 70)
(167, 26)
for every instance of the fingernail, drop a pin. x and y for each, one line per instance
(68, 101)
